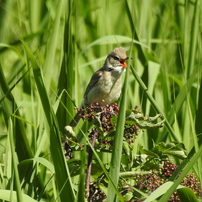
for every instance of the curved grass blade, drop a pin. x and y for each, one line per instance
(153, 102)
(5, 195)
(182, 96)
(9, 107)
(62, 172)
(186, 194)
(112, 39)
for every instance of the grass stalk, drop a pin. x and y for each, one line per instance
(154, 103)
(14, 161)
(89, 166)
(118, 144)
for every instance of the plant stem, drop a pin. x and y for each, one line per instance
(89, 168)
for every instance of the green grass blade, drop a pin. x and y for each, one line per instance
(153, 71)
(186, 194)
(153, 102)
(159, 191)
(14, 161)
(40, 160)
(22, 146)
(180, 99)
(62, 172)
(117, 145)
(52, 45)
(82, 177)
(193, 37)
(67, 79)
(5, 195)
(112, 39)
(199, 110)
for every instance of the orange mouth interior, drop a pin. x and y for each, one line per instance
(122, 62)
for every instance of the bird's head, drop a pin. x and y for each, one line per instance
(116, 59)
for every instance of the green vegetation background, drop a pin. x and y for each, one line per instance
(48, 52)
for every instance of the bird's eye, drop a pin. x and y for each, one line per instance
(116, 58)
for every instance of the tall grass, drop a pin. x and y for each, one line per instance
(48, 52)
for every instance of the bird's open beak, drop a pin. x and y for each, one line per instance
(122, 62)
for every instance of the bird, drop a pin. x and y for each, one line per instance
(106, 83)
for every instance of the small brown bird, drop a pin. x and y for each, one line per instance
(105, 85)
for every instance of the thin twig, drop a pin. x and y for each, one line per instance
(90, 156)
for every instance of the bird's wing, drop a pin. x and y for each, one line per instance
(93, 82)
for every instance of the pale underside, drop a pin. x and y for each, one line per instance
(107, 88)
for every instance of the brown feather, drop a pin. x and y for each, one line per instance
(93, 82)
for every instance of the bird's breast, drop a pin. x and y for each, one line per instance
(108, 89)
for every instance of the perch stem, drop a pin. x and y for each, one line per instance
(89, 167)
